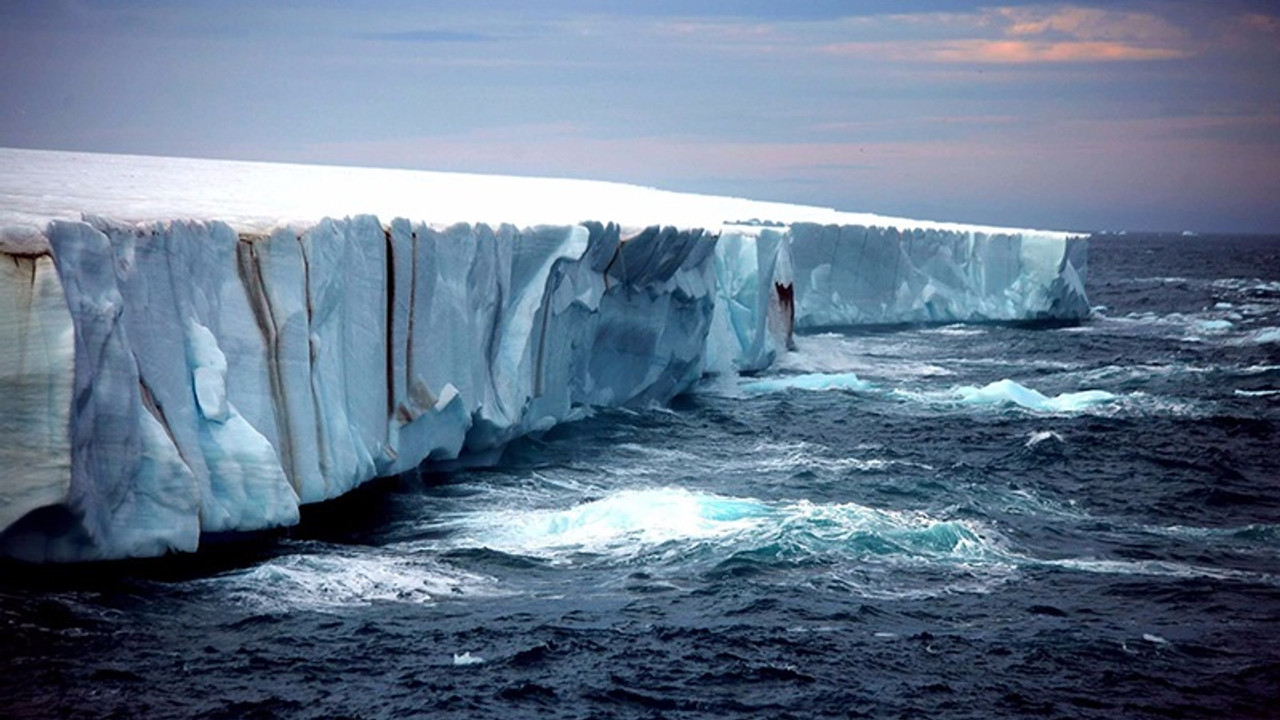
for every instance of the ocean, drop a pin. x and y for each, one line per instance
(959, 521)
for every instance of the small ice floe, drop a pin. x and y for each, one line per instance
(1214, 326)
(1268, 335)
(466, 658)
(1008, 392)
(1155, 639)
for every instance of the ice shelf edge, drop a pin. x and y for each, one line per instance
(168, 379)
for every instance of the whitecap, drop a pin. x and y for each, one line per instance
(957, 330)
(1257, 393)
(832, 354)
(620, 523)
(809, 381)
(332, 581)
(1156, 568)
(1040, 436)
(661, 526)
(1264, 534)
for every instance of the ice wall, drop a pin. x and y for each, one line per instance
(164, 379)
(774, 280)
(175, 379)
(858, 275)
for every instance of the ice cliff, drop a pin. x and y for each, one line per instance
(191, 347)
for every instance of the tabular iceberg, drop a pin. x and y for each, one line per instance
(162, 377)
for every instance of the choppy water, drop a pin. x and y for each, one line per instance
(922, 522)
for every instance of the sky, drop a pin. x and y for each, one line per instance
(1077, 116)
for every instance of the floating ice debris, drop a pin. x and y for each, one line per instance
(1006, 392)
(466, 658)
(1214, 325)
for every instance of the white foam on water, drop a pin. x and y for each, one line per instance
(1213, 325)
(833, 353)
(1173, 279)
(794, 462)
(333, 581)
(809, 382)
(654, 453)
(1140, 371)
(859, 530)
(1040, 436)
(802, 456)
(1158, 568)
(957, 330)
(1021, 501)
(1255, 535)
(672, 525)
(620, 523)
(898, 580)
(1257, 393)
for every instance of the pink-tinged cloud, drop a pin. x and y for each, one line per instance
(1006, 52)
(1250, 33)
(1020, 51)
(1091, 24)
(1027, 35)
(1267, 24)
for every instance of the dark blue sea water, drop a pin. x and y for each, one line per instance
(969, 522)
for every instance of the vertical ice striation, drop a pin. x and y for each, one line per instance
(218, 380)
(36, 355)
(754, 298)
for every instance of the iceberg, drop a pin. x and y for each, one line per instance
(196, 346)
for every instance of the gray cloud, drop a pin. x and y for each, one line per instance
(433, 36)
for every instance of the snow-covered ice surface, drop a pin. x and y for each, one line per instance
(192, 346)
